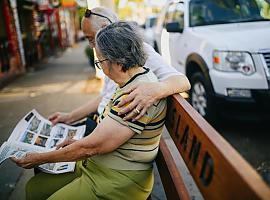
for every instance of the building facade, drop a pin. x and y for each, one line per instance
(33, 29)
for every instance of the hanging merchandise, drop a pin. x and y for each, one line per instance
(13, 4)
(55, 3)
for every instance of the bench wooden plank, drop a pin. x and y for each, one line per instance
(171, 178)
(217, 168)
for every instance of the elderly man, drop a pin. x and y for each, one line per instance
(142, 95)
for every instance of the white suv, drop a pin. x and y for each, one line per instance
(223, 46)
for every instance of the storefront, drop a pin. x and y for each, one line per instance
(70, 20)
(52, 33)
(4, 57)
(11, 50)
(34, 29)
(28, 16)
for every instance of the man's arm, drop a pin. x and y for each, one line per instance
(143, 95)
(77, 114)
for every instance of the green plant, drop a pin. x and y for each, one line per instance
(90, 55)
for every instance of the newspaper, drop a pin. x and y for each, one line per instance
(34, 133)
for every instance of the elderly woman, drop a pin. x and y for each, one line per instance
(118, 154)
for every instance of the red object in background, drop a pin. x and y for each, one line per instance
(8, 23)
(57, 17)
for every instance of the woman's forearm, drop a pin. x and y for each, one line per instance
(76, 151)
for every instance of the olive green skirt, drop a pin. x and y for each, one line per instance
(92, 181)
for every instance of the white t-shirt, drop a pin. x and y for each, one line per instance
(154, 62)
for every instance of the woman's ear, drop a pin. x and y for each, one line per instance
(119, 67)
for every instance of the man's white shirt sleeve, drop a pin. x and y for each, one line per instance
(158, 65)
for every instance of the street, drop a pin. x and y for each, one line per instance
(62, 83)
(251, 140)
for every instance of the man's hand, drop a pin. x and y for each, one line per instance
(59, 117)
(141, 96)
(65, 143)
(30, 160)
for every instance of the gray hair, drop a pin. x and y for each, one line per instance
(97, 21)
(121, 42)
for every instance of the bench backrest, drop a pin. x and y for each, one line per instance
(216, 167)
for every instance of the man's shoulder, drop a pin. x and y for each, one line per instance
(149, 50)
(149, 77)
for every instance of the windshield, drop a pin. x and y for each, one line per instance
(209, 12)
(151, 22)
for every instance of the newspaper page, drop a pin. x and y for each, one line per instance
(34, 133)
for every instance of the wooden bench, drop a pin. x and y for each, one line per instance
(216, 167)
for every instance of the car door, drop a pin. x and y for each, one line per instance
(165, 36)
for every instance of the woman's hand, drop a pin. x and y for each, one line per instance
(65, 143)
(30, 160)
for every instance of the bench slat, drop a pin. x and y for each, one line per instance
(171, 178)
(217, 168)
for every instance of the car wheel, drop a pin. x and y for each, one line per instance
(201, 97)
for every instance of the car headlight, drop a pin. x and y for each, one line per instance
(233, 61)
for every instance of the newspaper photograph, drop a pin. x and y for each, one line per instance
(34, 133)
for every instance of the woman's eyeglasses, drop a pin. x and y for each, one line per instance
(88, 13)
(98, 63)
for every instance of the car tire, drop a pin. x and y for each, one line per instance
(202, 97)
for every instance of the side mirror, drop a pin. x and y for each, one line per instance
(174, 27)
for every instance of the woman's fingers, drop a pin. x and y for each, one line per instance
(62, 144)
(28, 161)
(65, 143)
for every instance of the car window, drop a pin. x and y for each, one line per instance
(208, 12)
(264, 6)
(152, 21)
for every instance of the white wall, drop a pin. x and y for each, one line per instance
(106, 3)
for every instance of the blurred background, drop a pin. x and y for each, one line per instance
(223, 46)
